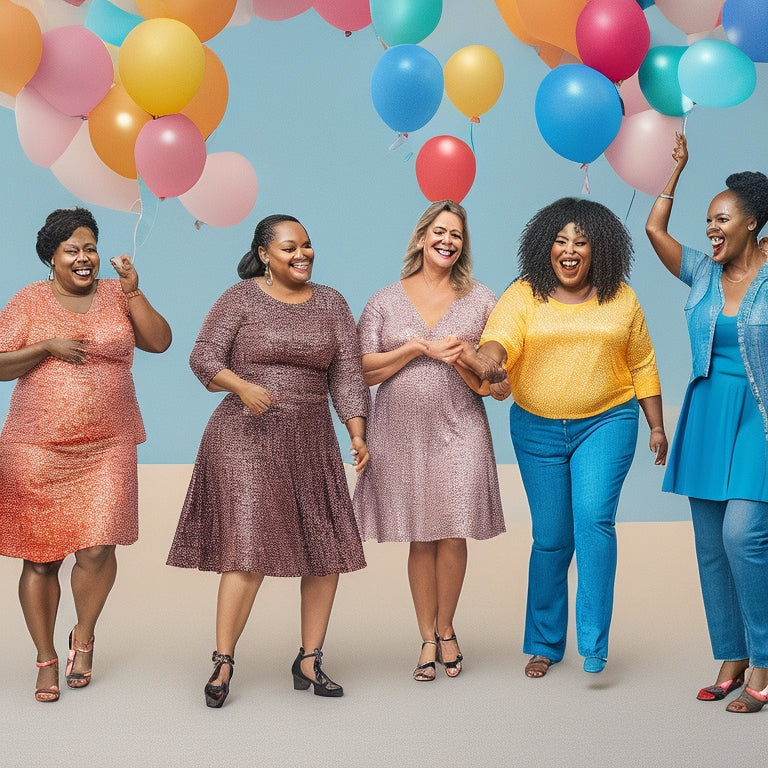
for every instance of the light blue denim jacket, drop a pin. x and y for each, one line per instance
(706, 301)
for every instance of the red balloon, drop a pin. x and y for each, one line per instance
(613, 37)
(445, 169)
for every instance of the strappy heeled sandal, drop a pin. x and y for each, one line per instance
(420, 674)
(77, 679)
(752, 700)
(537, 666)
(452, 668)
(51, 693)
(719, 691)
(322, 684)
(216, 695)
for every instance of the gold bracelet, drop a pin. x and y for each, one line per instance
(131, 294)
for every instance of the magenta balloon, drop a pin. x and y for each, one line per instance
(225, 193)
(83, 173)
(170, 155)
(44, 132)
(613, 37)
(75, 71)
(278, 10)
(641, 153)
(347, 15)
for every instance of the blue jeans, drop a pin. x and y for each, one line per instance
(732, 551)
(572, 470)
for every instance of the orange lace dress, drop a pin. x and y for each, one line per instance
(68, 477)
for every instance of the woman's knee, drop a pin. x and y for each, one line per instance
(42, 569)
(95, 557)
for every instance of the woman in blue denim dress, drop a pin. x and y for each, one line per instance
(719, 456)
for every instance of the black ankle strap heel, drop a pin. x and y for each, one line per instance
(323, 685)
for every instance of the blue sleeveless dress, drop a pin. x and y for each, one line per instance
(719, 450)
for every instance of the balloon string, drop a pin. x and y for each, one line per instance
(585, 185)
(472, 135)
(399, 141)
(631, 203)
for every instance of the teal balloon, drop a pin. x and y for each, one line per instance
(405, 21)
(715, 73)
(110, 23)
(659, 83)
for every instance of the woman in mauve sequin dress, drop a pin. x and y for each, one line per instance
(68, 477)
(268, 494)
(432, 478)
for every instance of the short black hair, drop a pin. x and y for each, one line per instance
(59, 226)
(751, 187)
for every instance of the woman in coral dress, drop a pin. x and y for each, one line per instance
(68, 479)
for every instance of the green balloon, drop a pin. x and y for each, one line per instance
(405, 21)
(659, 83)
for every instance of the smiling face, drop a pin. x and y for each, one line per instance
(443, 241)
(729, 230)
(290, 255)
(571, 258)
(75, 262)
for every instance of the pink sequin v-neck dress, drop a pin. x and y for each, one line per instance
(68, 476)
(432, 473)
(268, 493)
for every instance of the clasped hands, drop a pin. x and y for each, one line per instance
(451, 350)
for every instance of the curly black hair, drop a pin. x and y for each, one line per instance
(751, 187)
(59, 226)
(251, 265)
(612, 251)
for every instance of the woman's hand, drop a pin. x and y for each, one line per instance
(680, 151)
(254, 397)
(501, 390)
(359, 451)
(68, 350)
(129, 278)
(448, 349)
(658, 445)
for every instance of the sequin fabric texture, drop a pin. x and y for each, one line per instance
(268, 493)
(432, 473)
(68, 477)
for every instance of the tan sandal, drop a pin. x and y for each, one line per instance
(751, 700)
(538, 666)
(51, 693)
(77, 679)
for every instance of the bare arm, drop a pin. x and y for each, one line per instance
(254, 397)
(153, 334)
(20, 361)
(358, 448)
(379, 366)
(654, 415)
(667, 248)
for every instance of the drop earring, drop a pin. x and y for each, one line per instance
(267, 272)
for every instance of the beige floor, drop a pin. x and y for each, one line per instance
(145, 706)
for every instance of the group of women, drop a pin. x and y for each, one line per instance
(268, 494)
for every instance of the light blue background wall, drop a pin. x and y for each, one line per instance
(300, 110)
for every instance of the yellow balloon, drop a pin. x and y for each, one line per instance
(474, 77)
(161, 64)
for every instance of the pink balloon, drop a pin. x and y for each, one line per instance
(170, 155)
(225, 193)
(445, 168)
(641, 153)
(632, 97)
(44, 132)
(347, 15)
(692, 16)
(75, 71)
(278, 10)
(83, 173)
(613, 37)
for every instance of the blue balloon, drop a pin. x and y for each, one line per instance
(645, 3)
(407, 87)
(746, 24)
(578, 111)
(715, 73)
(110, 23)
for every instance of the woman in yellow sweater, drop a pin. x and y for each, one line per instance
(573, 339)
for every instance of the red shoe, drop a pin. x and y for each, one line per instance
(719, 691)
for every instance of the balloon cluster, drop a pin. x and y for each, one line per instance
(598, 47)
(120, 98)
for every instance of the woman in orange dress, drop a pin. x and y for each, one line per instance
(68, 478)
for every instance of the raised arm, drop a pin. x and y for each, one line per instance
(153, 334)
(667, 248)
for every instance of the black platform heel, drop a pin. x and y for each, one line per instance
(323, 684)
(216, 695)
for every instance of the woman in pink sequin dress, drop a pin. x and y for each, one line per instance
(68, 479)
(268, 494)
(432, 478)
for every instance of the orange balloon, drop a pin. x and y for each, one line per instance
(113, 125)
(553, 21)
(21, 46)
(511, 15)
(209, 104)
(205, 17)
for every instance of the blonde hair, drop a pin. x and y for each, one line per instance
(461, 272)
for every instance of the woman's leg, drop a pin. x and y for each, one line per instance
(599, 466)
(93, 576)
(317, 596)
(237, 591)
(39, 594)
(422, 578)
(450, 568)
